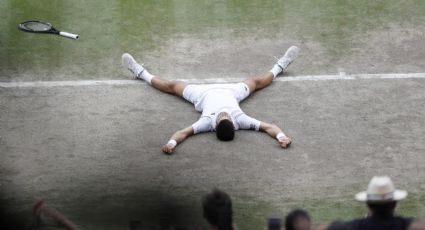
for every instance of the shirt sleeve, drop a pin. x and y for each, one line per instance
(246, 122)
(202, 125)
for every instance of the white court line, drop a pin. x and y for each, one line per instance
(341, 76)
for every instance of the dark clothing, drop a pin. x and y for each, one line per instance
(378, 223)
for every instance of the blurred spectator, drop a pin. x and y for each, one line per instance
(417, 225)
(274, 223)
(217, 208)
(298, 220)
(381, 197)
(338, 225)
(43, 213)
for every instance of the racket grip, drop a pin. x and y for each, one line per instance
(68, 35)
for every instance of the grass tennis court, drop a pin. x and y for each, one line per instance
(93, 152)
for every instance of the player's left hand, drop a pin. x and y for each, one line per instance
(167, 149)
(285, 142)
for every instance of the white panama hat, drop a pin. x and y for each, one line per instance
(381, 189)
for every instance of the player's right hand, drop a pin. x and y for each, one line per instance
(167, 149)
(285, 142)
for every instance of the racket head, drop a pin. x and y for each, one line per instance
(35, 26)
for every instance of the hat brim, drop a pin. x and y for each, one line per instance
(398, 195)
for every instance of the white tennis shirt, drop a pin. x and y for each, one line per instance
(212, 99)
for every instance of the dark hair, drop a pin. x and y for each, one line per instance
(217, 208)
(225, 130)
(382, 208)
(338, 225)
(292, 217)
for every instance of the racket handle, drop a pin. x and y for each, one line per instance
(68, 35)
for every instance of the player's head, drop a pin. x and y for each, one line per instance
(217, 209)
(224, 129)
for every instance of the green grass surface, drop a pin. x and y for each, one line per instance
(109, 28)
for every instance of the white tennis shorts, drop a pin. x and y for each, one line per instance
(194, 93)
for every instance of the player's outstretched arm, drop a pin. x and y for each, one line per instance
(177, 138)
(275, 132)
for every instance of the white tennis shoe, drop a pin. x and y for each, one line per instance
(135, 68)
(288, 58)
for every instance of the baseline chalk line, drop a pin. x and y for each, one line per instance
(211, 80)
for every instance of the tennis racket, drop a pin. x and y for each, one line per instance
(35, 26)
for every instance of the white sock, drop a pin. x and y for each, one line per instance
(145, 75)
(276, 70)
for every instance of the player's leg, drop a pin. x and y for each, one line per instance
(166, 86)
(258, 82)
(261, 81)
(173, 87)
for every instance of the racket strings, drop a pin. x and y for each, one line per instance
(37, 26)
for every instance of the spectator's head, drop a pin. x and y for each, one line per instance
(217, 208)
(297, 220)
(381, 196)
(382, 209)
(224, 129)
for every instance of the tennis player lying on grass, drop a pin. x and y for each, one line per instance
(218, 103)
